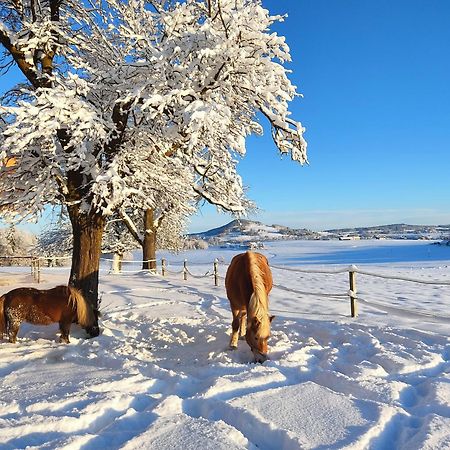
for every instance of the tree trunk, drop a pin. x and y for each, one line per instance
(87, 242)
(149, 244)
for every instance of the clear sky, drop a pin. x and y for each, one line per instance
(375, 75)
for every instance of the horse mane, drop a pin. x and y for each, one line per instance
(2, 316)
(85, 313)
(258, 306)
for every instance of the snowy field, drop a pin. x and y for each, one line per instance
(160, 376)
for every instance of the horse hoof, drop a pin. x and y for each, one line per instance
(233, 347)
(259, 360)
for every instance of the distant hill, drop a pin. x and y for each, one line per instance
(242, 232)
(245, 233)
(396, 231)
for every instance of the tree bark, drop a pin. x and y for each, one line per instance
(149, 244)
(87, 243)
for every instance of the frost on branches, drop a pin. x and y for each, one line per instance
(186, 79)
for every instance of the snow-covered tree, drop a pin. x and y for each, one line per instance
(118, 241)
(190, 76)
(163, 184)
(171, 232)
(15, 242)
(55, 239)
(194, 243)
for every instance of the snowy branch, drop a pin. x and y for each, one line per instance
(136, 105)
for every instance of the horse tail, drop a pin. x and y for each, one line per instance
(85, 313)
(2, 316)
(259, 301)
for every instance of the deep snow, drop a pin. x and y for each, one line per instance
(160, 376)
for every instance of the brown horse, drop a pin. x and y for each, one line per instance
(248, 282)
(63, 304)
(2, 317)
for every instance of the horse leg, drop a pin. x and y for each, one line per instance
(13, 329)
(64, 328)
(242, 324)
(13, 319)
(235, 328)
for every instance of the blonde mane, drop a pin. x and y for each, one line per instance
(258, 306)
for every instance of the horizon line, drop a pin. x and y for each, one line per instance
(325, 229)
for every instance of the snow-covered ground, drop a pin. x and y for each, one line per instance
(160, 376)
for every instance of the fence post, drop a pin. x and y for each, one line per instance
(352, 293)
(163, 267)
(32, 268)
(216, 274)
(185, 270)
(38, 270)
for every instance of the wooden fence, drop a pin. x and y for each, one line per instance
(31, 261)
(36, 264)
(351, 294)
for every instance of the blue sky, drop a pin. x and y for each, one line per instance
(375, 75)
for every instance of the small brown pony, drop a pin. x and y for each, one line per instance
(63, 304)
(248, 282)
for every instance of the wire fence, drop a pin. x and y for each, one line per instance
(211, 270)
(351, 293)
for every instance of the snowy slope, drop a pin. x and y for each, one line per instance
(245, 231)
(160, 376)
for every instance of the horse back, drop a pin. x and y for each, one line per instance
(52, 303)
(239, 280)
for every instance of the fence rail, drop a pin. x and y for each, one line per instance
(37, 263)
(30, 260)
(351, 293)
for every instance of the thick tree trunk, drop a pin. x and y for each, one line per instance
(87, 243)
(149, 244)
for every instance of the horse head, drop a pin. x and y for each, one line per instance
(257, 335)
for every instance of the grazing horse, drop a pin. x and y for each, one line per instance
(248, 282)
(63, 304)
